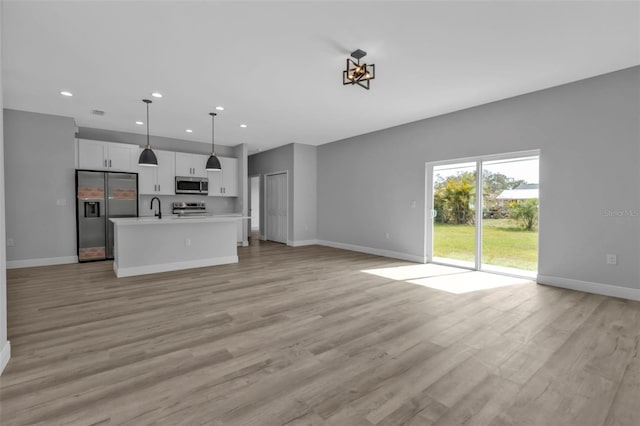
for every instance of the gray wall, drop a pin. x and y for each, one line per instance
(300, 163)
(274, 160)
(304, 192)
(39, 170)
(588, 134)
(3, 266)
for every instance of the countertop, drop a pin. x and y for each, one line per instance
(174, 219)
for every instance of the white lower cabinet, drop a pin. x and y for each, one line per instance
(240, 227)
(158, 180)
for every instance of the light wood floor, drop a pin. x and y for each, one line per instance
(300, 336)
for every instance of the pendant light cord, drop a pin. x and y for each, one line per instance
(213, 119)
(148, 145)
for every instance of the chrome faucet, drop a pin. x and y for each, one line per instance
(158, 214)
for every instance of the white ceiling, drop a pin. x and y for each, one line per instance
(277, 66)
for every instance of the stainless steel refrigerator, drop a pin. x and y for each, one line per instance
(101, 196)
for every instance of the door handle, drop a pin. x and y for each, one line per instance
(109, 163)
(105, 163)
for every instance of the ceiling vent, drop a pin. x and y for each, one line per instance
(97, 112)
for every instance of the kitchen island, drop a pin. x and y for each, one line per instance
(146, 245)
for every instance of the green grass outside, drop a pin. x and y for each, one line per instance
(504, 243)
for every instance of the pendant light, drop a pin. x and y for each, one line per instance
(147, 156)
(213, 163)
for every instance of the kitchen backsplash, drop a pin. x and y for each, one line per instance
(215, 205)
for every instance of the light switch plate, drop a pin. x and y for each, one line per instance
(612, 259)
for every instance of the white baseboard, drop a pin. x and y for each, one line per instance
(300, 243)
(375, 251)
(5, 355)
(175, 266)
(28, 263)
(591, 287)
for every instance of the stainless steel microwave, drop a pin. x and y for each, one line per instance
(192, 185)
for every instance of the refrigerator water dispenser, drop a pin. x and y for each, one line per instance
(91, 209)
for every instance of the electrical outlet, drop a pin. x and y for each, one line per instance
(414, 204)
(612, 259)
(61, 202)
(187, 242)
(10, 242)
(387, 236)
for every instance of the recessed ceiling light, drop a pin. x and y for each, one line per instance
(65, 93)
(189, 131)
(156, 95)
(244, 126)
(139, 123)
(219, 108)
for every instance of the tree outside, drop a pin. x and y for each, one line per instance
(509, 226)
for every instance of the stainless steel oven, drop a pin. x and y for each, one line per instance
(192, 185)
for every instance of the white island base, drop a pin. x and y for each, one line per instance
(150, 245)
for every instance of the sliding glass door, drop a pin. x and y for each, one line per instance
(454, 214)
(483, 213)
(510, 215)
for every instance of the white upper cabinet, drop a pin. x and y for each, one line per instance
(225, 182)
(230, 176)
(192, 165)
(158, 180)
(98, 155)
(119, 157)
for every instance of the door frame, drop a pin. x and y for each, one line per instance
(428, 234)
(266, 231)
(250, 204)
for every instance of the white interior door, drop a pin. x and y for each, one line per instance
(276, 214)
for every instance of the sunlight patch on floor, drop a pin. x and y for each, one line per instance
(408, 272)
(446, 278)
(468, 282)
